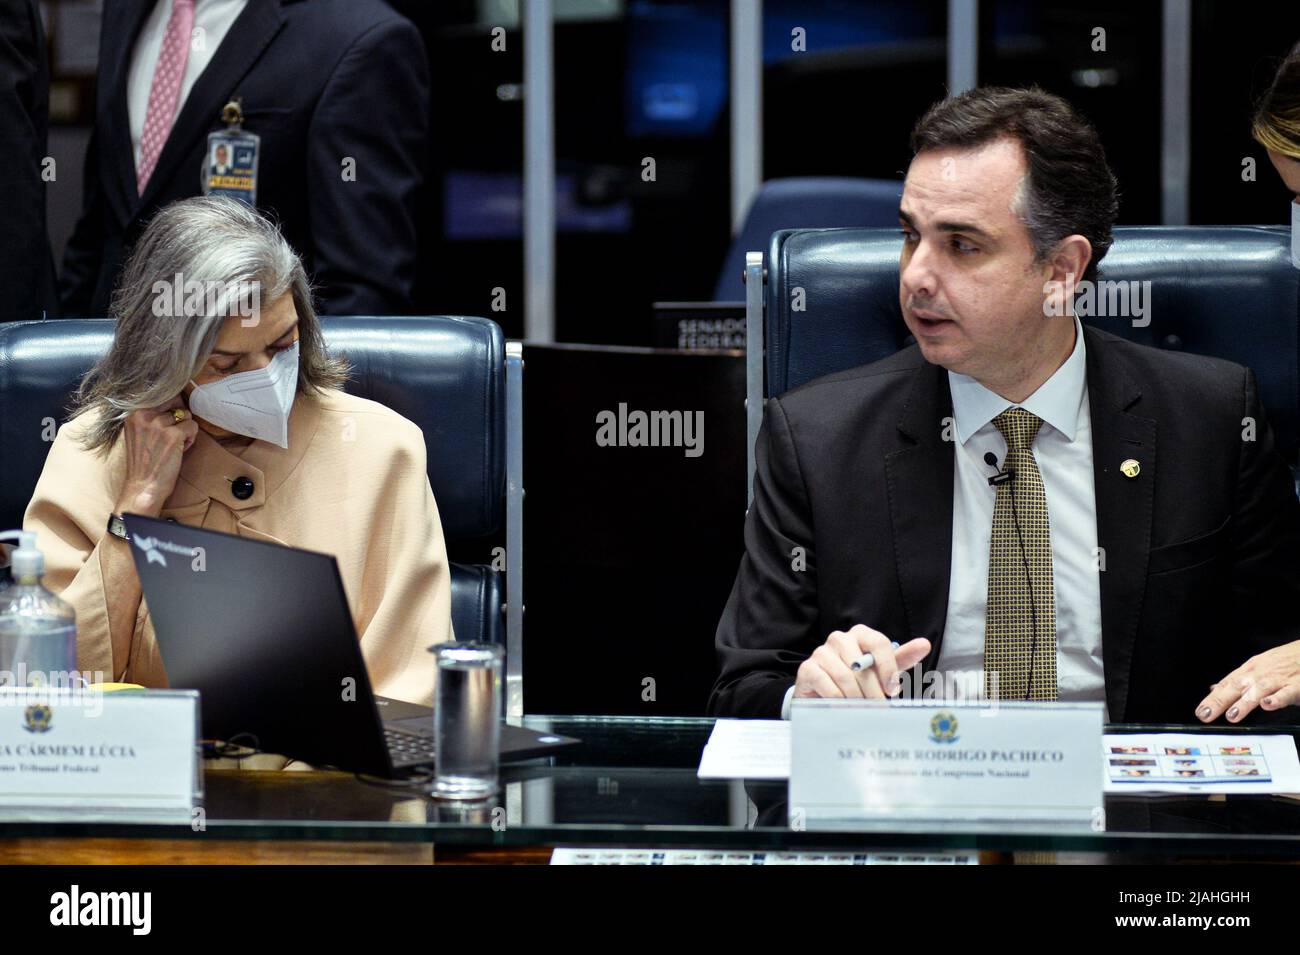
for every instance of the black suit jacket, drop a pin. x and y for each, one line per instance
(1201, 549)
(26, 268)
(320, 81)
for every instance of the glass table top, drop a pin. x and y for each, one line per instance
(632, 782)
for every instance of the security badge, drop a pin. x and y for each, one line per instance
(230, 164)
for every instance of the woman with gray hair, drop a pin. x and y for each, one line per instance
(217, 406)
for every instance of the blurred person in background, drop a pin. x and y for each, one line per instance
(337, 92)
(26, 268)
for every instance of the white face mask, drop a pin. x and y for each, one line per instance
(253, 403)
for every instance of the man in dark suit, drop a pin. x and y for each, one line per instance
(1140, 536)
(26, 270)
(336, 89)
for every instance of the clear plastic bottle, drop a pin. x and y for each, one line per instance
(38, 631)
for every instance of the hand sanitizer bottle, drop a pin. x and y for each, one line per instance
(38, 631)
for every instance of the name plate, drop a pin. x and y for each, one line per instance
(904, 761)
(84, 754)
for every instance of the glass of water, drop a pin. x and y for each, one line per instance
(466, 719)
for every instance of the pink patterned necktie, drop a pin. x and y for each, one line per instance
(166, 88)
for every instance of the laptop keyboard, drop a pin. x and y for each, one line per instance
(407, 749)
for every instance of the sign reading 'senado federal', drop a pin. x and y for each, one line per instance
(904, 761)
(85, 754)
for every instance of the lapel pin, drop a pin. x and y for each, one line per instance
(1130, 468)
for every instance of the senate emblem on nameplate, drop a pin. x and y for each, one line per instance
(37, 718)
(943, 727)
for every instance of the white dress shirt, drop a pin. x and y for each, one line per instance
(1063, 451)
(214, 18)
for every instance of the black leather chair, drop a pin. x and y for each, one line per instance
(1226, 291)
(806, 202)
(445, 373)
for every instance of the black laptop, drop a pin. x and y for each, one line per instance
(264, 633)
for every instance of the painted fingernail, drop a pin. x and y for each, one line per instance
(1204, 712)
(1232, 713)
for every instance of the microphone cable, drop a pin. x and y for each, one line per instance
(991, 459)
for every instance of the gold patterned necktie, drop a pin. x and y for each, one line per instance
(1020, 605)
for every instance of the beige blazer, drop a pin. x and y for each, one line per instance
(352, 483)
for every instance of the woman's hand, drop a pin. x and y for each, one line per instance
(155, 445)
(1270, 680)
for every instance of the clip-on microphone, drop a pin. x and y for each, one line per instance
(1002, 477)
